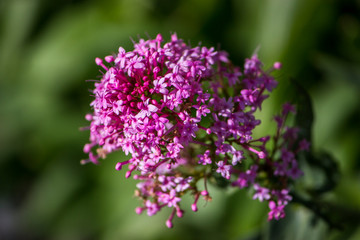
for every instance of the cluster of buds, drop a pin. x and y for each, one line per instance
(186, 117)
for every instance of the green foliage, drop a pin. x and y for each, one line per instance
(47, 51)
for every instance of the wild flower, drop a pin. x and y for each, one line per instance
(185, 115)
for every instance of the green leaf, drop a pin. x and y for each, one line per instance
(304, 116)
(326, 165)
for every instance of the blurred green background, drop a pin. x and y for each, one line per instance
(47, 51)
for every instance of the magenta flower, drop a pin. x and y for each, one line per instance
(202, 110)
(160, 86)
(261, 193)
(237, 156)
(223, 169)
(205, 158)
(280, 168)
(241, 182)
(169, 198)
(208, 54)
(152, 208)
(286, 155)
(147, 110)
(169, 107)
(134, 64)
(182, 183)
(294, 172)
(233, 77)
(283, 197)
(276, 212)
(304, 145)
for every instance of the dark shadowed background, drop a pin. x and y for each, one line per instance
(47, 52)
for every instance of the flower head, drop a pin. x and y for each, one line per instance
(167, 105)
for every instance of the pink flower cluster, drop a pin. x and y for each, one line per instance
(186, 114)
